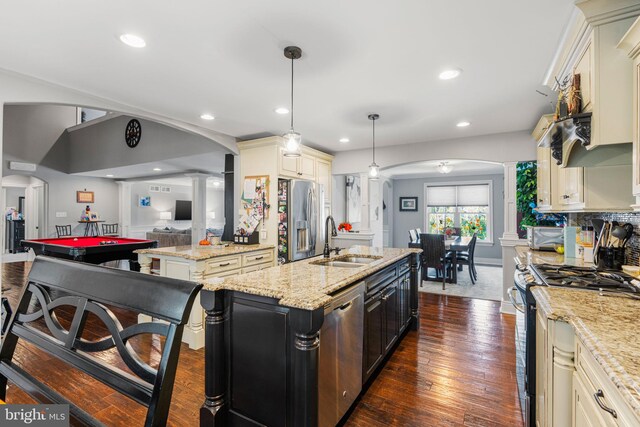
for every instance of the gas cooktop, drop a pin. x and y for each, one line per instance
(586, 278)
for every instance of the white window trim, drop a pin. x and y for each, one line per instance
(489, 241)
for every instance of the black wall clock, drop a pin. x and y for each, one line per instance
(133, 133)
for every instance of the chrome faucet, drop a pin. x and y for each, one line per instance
(334, 233)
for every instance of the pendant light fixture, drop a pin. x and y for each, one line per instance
(291, 143)
(374, 169)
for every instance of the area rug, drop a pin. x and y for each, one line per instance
(488, 286)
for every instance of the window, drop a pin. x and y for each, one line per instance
(466, 206)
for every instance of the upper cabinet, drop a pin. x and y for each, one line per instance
(303, 167)
(590, 51)
(630, 44)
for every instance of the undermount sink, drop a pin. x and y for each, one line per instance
(348, 261)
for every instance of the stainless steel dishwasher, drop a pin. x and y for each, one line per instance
(340, 366)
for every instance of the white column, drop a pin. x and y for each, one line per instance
(198, 206)
(124, 208)
(510, 238)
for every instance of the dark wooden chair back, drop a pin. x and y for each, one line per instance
(413, 236)
(433, 250)
(63, 230)
(472, 245)
(91, 289)
(5, 315)
(109, 229)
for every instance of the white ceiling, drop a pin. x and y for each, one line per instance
(212, 163)
(186, 181)
(225, 58)
(429, 169)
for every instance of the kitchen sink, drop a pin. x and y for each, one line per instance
(347, 261)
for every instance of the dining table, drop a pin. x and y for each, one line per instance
(453, 245)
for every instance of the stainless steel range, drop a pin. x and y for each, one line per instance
(605, 282)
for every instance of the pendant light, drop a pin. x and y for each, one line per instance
(291, 143)
(374, 169)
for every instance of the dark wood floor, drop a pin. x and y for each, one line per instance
(457, 370)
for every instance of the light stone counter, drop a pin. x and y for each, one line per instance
(304, 285)
(607, 325)
(528, 256)
(200, 253)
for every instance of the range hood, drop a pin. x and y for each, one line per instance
(590, 48)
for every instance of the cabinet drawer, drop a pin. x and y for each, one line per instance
(256, 267)
(594, 379)
(259, 257)
(219, 265)
(220, 275)
(403, 266)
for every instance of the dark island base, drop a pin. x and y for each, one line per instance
(261, 359)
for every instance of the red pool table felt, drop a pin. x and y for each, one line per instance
(84, 242)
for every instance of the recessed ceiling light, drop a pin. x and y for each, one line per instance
(216, 183)
(450, 74)
(207, 117)
(157, 169)
(132, 40)
(282, 110)
(344, 140)
(109, 176)
(463, 124)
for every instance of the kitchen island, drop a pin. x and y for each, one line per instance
(197, 263)
(277, 346)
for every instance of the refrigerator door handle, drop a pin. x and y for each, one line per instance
(313, 220)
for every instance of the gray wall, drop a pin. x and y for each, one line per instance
(162, 202)
(338, 199)
(101, 146)
(13, 193)
(404, 221)
(62, 195)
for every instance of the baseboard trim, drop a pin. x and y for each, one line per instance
(489, 261)
(507, 308)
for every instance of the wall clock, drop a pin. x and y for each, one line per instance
(133, 133)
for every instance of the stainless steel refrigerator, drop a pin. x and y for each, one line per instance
(301, 225)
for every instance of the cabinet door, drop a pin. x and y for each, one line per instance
(544, 178)
(585, 411)
(391, 324)
(583, 67)
(288, 166)
(403, 301)
(373, 326)
(323, 169)
(636, 129)
(571, 186)
(307, 167)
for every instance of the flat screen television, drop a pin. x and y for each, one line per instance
(183, 210)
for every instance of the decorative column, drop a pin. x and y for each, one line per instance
(198, 206)
(304, 393)
(124, 208)
(214, 409)
(510, 238)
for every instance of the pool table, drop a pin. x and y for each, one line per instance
(91, 249)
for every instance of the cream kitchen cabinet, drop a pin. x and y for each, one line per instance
(303, 167)
(544, 178)
(264, 156)
(554, 372)
(630, 44)
(595, 397)
(570, 188)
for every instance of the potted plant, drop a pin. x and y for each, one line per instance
(345, 226)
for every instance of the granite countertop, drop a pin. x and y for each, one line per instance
(304, 285)
(607, 327)
(528, 256)
(200, 253)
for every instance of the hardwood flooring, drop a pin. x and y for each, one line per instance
(458, 369)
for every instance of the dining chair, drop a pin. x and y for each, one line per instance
(63, 230)
(418, 231)
(434, 256)
(413, 236)
(109, 229)
(467, 258)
